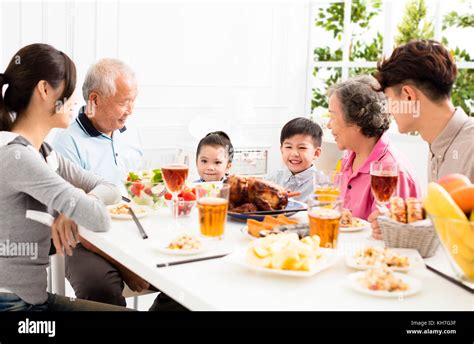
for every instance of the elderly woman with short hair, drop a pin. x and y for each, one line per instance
(359, 123)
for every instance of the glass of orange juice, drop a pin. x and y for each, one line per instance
(327, 183)
(324, 212)
(212, 207)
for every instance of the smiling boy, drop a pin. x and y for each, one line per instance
(300, 144)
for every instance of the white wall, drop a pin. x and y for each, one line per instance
(230, 65)
(237, 66)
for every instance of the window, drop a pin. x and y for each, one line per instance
(348, 37)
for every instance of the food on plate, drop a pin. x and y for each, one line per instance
(254, 227)
(245, 208)
(123, 209)
(302, 229)
(347, 220)
(382, 280)
(263, 194)
(185, 242)
(286, 220)
(284, 251)
(268, 224)
(380, 256)
(273, 221)
(453, 227)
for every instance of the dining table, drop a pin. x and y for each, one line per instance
(222, 285)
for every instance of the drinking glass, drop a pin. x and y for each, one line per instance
(383, 182)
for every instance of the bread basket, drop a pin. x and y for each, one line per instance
(420, 236)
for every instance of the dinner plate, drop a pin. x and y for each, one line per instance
(140, 211)
(414, 286)
(292, 205)
(164, 250)
(364, 225)
(413, 256)
(327, 259)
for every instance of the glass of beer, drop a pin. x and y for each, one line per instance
(175, 176)
(383, 182)
(324, 212)
(212, 207)
(327, 183)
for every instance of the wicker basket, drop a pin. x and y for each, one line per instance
(421, 238)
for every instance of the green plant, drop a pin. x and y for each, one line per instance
(332, 19)
(414, 24)
(463, 90)
(454, 19)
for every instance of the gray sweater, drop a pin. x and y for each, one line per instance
(42, 181)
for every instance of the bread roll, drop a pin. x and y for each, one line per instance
(414, 210)
(398, 210)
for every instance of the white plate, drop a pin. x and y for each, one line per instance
(328, 259)
(413, 283)
(144, 212)
(163, 249)
(413, 257)
(356, 228)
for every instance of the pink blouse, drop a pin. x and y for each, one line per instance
(355, 188)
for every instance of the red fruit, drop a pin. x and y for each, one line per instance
(129, 179)
(168, 196)
(148, 191)
(135, 190)
(189, 196)
(139, 185)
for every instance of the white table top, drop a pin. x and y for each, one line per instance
(219, 285)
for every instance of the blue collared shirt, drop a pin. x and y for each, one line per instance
(110, 157)
(300, 182)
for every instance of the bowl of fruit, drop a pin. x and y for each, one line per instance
(146, 187)
(450, 205)
(184, 204)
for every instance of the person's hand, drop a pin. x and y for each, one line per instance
(134, 282)
(376, 232)
(64, 234)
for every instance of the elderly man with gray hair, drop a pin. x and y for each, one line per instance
(99, 141)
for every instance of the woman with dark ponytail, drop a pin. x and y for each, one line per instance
(37, 95)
